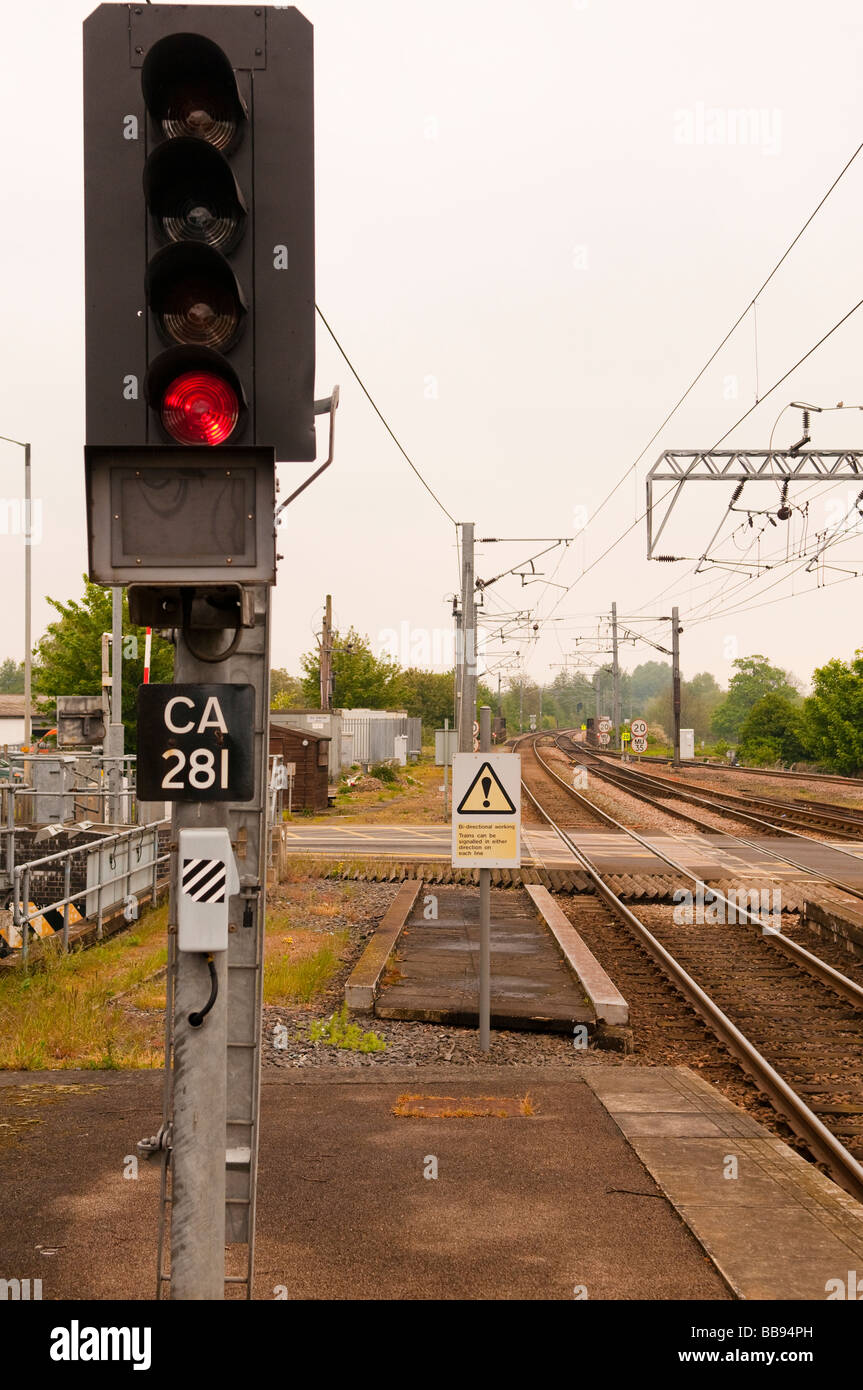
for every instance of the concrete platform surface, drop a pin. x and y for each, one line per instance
(604, 997)
(438, 966)
(709, 855)
(550, 1206)
(774, 1225)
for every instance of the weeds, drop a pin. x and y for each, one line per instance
(419, 1107)
(337, 1031)
(305, 971)
(64, 1013)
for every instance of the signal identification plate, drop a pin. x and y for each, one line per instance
(196, 742)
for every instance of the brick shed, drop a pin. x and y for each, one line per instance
(311, 753)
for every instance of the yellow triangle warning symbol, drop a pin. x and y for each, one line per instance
(486, 796)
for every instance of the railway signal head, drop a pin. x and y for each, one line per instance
(199, 197)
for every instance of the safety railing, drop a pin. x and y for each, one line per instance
(105, 851)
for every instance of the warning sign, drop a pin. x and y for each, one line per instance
(485, 841)
(486, 795)
(486, 826)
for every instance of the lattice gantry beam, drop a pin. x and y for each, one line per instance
(676, 467)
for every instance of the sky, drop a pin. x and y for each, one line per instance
(535, 223)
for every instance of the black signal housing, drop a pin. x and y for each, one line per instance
(199, 197)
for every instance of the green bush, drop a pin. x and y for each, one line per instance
(384, 772)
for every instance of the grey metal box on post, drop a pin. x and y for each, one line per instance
(184, 516)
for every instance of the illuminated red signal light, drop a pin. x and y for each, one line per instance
(200, 408)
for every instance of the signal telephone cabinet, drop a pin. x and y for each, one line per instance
(208, 878)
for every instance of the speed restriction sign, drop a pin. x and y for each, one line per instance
(639, 745)
(605, 739)
(605, 726)
(196, 743)
(639, 728)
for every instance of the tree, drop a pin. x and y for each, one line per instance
(754, 678)
(426, 695)
(11, 677)
(520, 694)
(832, 724)
(361, 679)
(286, 691)
(648, 680)
(771, 732)
(69, 655)
(698, 700)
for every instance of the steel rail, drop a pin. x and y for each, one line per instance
(753, 844)
(821, 816)
(846, 1171)
(813, 965)
(702, 796)
(704, 765)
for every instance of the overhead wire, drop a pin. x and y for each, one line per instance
(737, 322)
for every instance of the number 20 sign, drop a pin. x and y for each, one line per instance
(196, 742)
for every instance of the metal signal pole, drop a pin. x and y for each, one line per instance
(327, 656)
(467, 712)
(485, 914)
(116, 732)
(675, 678)
(615, 711)
(216, 1077)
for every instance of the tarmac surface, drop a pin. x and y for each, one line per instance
(551, 1205)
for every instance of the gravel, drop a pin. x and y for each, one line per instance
(407, 1043)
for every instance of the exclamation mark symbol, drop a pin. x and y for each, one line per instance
(486, 786)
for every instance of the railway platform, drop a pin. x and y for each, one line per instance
(423, 964)
(614, 1186)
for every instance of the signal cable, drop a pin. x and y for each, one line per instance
(383, 421)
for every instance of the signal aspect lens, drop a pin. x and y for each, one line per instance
(201, 316)
(196, 116)
(191, 89)
(196, 221)
(192, 193)
(200, 408)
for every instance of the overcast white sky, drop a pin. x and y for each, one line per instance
(533, 229)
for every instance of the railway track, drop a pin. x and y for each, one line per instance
(771, 813)
(702, 765)
(803, 1019)
(624, 785)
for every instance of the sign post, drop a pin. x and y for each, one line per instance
(486, 835)
(639, 735)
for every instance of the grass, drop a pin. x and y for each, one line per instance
(102, 1008)
(384, 772)
(416, 798)
(305, 969)
(304, 948)
(65, 1012)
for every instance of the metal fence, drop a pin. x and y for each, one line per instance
(117, 869)
(60, 787)
(374, 739)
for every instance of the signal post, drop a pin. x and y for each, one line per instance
(199, 199)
